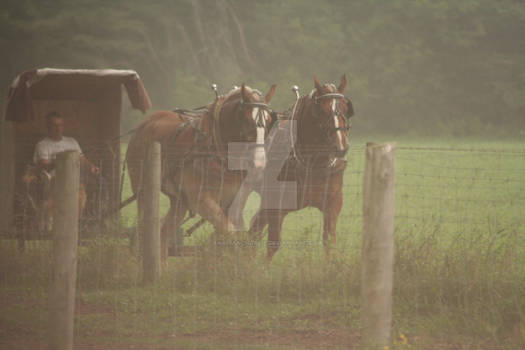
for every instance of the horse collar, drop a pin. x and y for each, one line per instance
(214, 125)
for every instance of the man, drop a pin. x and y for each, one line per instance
(39, 180)
(47, 149)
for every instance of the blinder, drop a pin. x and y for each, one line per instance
(350, 108)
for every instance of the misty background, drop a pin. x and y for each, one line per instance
(421, 68)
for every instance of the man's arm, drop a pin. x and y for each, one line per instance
(92, 167)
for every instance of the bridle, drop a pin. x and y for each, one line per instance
(335, 113)
(260, 118)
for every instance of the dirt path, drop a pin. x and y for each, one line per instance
(22, 336)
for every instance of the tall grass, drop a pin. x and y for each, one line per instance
(459, 261)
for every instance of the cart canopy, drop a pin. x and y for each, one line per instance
(71, 84)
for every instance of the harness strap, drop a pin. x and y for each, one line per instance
(215, 126)
(190, 122)
(197, 112)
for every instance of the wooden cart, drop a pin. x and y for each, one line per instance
(90, 102)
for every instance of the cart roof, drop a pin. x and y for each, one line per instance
(71, 84)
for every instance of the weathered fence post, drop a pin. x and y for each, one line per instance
(6, 174)
(65, 241)
(151, 220)
(378, 245)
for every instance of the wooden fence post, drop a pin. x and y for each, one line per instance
(151, 221)
(6, 174)
(378, 245)
(65, 241)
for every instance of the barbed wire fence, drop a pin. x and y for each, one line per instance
(459, 233)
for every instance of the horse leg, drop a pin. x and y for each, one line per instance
(275, 223)
(236, 208)
(210, 210)
(258, 223)
(171, 224)
(330, 215)
(49, 210)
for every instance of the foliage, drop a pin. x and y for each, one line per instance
(426, 67)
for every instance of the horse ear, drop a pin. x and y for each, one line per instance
(270, 93)
(342, 85)
(318, 85)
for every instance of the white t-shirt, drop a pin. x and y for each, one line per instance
(47, 148)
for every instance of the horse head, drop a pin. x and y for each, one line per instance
(246, 118)
(328, 110)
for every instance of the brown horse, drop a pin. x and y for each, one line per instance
(197, 172)
(310, 172)
(37, 199)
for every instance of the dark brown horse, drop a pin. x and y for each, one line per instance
(197, 172)
(310, 171)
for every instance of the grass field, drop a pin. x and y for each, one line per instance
(459, 270)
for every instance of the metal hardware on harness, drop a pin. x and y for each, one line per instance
(295, 89)
(214, 88)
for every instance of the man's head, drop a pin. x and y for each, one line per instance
(55, 125)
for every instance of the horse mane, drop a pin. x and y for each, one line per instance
(330, 85)
(234, 91)
(237, 91)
